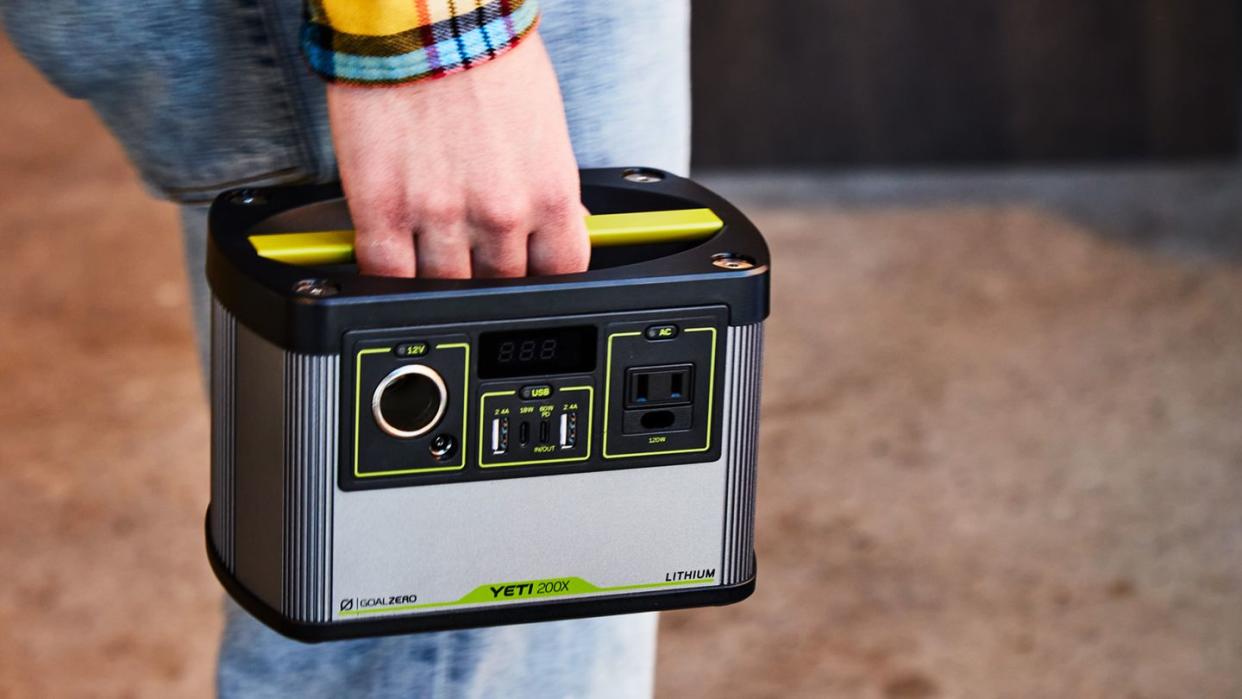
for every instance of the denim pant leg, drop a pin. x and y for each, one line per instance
(624, 74)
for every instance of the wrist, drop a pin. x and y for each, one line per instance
(357, 43)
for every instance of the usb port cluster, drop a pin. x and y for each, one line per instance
(536, 424)
(567, 434)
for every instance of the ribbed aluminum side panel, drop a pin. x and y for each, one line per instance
(223, 434)
(310, 457)
(743, 365)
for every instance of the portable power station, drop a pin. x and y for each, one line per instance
(402, 455)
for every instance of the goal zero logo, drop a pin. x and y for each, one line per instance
(349, 604)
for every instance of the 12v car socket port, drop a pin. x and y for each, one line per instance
(410, 401)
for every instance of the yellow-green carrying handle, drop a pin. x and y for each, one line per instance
(337, 247)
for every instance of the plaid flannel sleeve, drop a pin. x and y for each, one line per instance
(384, 42)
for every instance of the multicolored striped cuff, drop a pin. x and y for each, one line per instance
(453, 36)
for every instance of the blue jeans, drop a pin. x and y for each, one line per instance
(207, 94)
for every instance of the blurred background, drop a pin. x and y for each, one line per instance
(898, 82)
(1002, 448)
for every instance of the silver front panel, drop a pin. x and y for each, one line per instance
(612, 529)
(291, 536)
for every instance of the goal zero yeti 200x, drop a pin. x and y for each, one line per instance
(401, 455)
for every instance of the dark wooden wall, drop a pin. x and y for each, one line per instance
(829, 82)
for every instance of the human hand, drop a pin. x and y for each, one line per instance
(467, 175)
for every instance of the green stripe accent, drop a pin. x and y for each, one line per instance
(485, 594)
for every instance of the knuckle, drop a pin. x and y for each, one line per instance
(438, 211)
(563, 257)
(501, 215)
(570, 263)
(504, 238)
(558, 205)
(385, 254)
(509, 266)
(379, 239)
(383, 213)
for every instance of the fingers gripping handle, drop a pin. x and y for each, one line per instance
(606, 230)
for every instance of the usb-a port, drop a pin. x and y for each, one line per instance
(500, 435)
(569, 430)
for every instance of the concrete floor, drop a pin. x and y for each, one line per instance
(1001, 456)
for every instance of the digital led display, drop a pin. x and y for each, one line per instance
(538, 351)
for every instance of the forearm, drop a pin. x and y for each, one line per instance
(472, 175)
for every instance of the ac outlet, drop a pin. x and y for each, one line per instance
(651, 386)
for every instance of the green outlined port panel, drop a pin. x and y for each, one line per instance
(407, 407)
(536, 424)
(660, 396)
(539, 396)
